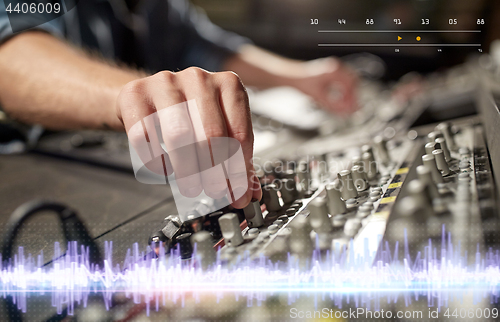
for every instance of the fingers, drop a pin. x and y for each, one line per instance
(204, 122)
(236, 111)
(209, 125)
(337, 91)
(138, 118)
(178, 133)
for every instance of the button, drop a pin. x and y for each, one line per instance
(368, 204)
(184, 241)
(253, 232)
(272, 229)
(441, 162)
(347, 190)
(270, 196)
(338, 221)
(335, 204)
(365, 208)
(318, 217)
(253, 214)
(278, 222)
(283, 218)
(464, 165)
(429, 161)
(290, 212)
(362, 214)
(375, 194)
(263, 237)
(230, 227)
(205, 252)
(464, 151)
(351, 202)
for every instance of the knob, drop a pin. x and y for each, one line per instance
(230, 227)
(335, 204)
(359, 178)
(366, 149)
(431, 137)
(338, 221)
(348, 190)
(253, 214)
(381, 146)
(202, 242)
(429, 147)
(445, 128)
(318, 216)
(443, 146)
(352, 226)
(288, 190)
(429, 161)
(441, 162)
(270, 196)
(300, 239)
(370, 165)
(425, 176)
(411, 207)
(184, 241)
(420, 192)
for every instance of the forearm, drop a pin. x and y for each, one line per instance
(262, 69)
(45, 81)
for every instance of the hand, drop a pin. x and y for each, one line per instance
(330, 83)
(190, 106)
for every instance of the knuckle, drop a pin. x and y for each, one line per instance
(136, 133)
(245, 138)
(176, 131)
(232, 79)
(215, 132)
(197, 73)
(134, 88)
(165, 76)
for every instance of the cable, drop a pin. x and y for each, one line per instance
(73, 229)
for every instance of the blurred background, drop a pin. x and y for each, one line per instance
(284, 27)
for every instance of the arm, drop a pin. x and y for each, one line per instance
(47, 82)
(326, 80)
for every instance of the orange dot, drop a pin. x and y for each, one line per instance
(418, 38)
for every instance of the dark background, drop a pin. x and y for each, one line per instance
(284, 27)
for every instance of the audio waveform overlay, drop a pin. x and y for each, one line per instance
(438, 275)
